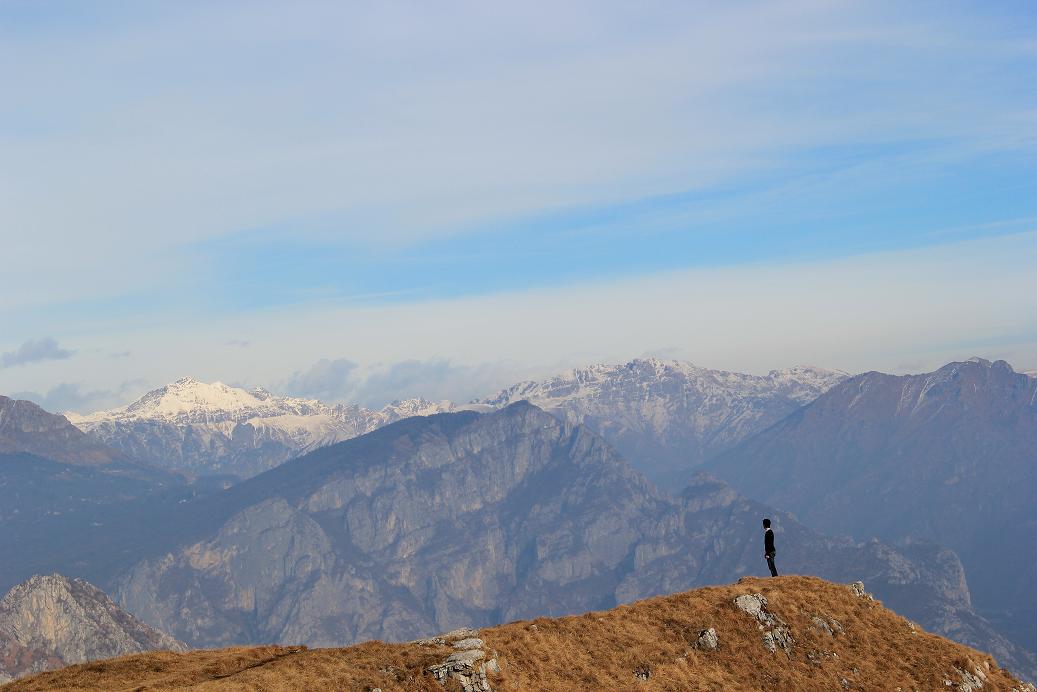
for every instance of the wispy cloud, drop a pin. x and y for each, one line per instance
(34, 352)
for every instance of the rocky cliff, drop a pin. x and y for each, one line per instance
(51, 621)
(468, 519)
(790, 633)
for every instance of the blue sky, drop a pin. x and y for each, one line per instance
(243, 191)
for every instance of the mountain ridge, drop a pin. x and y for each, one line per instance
(786, 633)
(681, 414)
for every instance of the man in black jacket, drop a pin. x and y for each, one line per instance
(768, 546)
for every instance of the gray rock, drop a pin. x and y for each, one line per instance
(708, 640)
(858, 590)
(469, 657)
(460, 633)
(776, 634)
(469, 643)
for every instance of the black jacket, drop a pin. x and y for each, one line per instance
(768, 542)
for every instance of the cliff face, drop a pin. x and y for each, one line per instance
(467, 519)
(50, 621)
(790, 633)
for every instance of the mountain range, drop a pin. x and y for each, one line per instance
(665, 417)
(215, 429)
(464, 519)
(499, 509)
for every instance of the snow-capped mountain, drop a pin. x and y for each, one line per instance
(668, 416)
(665, 416)
(214, 429)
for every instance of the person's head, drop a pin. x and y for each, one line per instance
(766, 523)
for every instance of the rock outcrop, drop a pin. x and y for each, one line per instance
(51, 621)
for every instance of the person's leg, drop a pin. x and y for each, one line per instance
(774, 570)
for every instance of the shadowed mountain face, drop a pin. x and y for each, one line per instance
(25, 427)
(949, 456)
(52, 621)
(467, 519)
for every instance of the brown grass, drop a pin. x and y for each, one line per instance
(877, 650)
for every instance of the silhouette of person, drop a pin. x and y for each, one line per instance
(768, 546)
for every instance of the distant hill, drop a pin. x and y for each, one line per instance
(436, 522)
(790, 633)
(949, 456)
(52, 621)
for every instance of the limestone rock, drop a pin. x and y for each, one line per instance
(708, 640)
(858, 588)
(52, 621)
(469, 643)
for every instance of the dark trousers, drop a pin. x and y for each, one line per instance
(770, 563)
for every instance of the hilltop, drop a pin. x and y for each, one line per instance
(790, 633)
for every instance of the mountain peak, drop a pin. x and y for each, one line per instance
(52, 620)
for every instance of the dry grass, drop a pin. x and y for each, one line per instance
(877, 650)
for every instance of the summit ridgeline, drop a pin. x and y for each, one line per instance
(789, 633)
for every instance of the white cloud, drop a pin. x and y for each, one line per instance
(880, 311)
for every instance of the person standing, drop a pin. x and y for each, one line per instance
(768, 546)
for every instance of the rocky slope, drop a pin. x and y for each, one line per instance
(949, 455)
(457, 519)
(25, 427)
(666, 416)
(51, 621)
(216, 429)
(790, 633)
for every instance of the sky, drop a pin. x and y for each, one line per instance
(369, 201)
